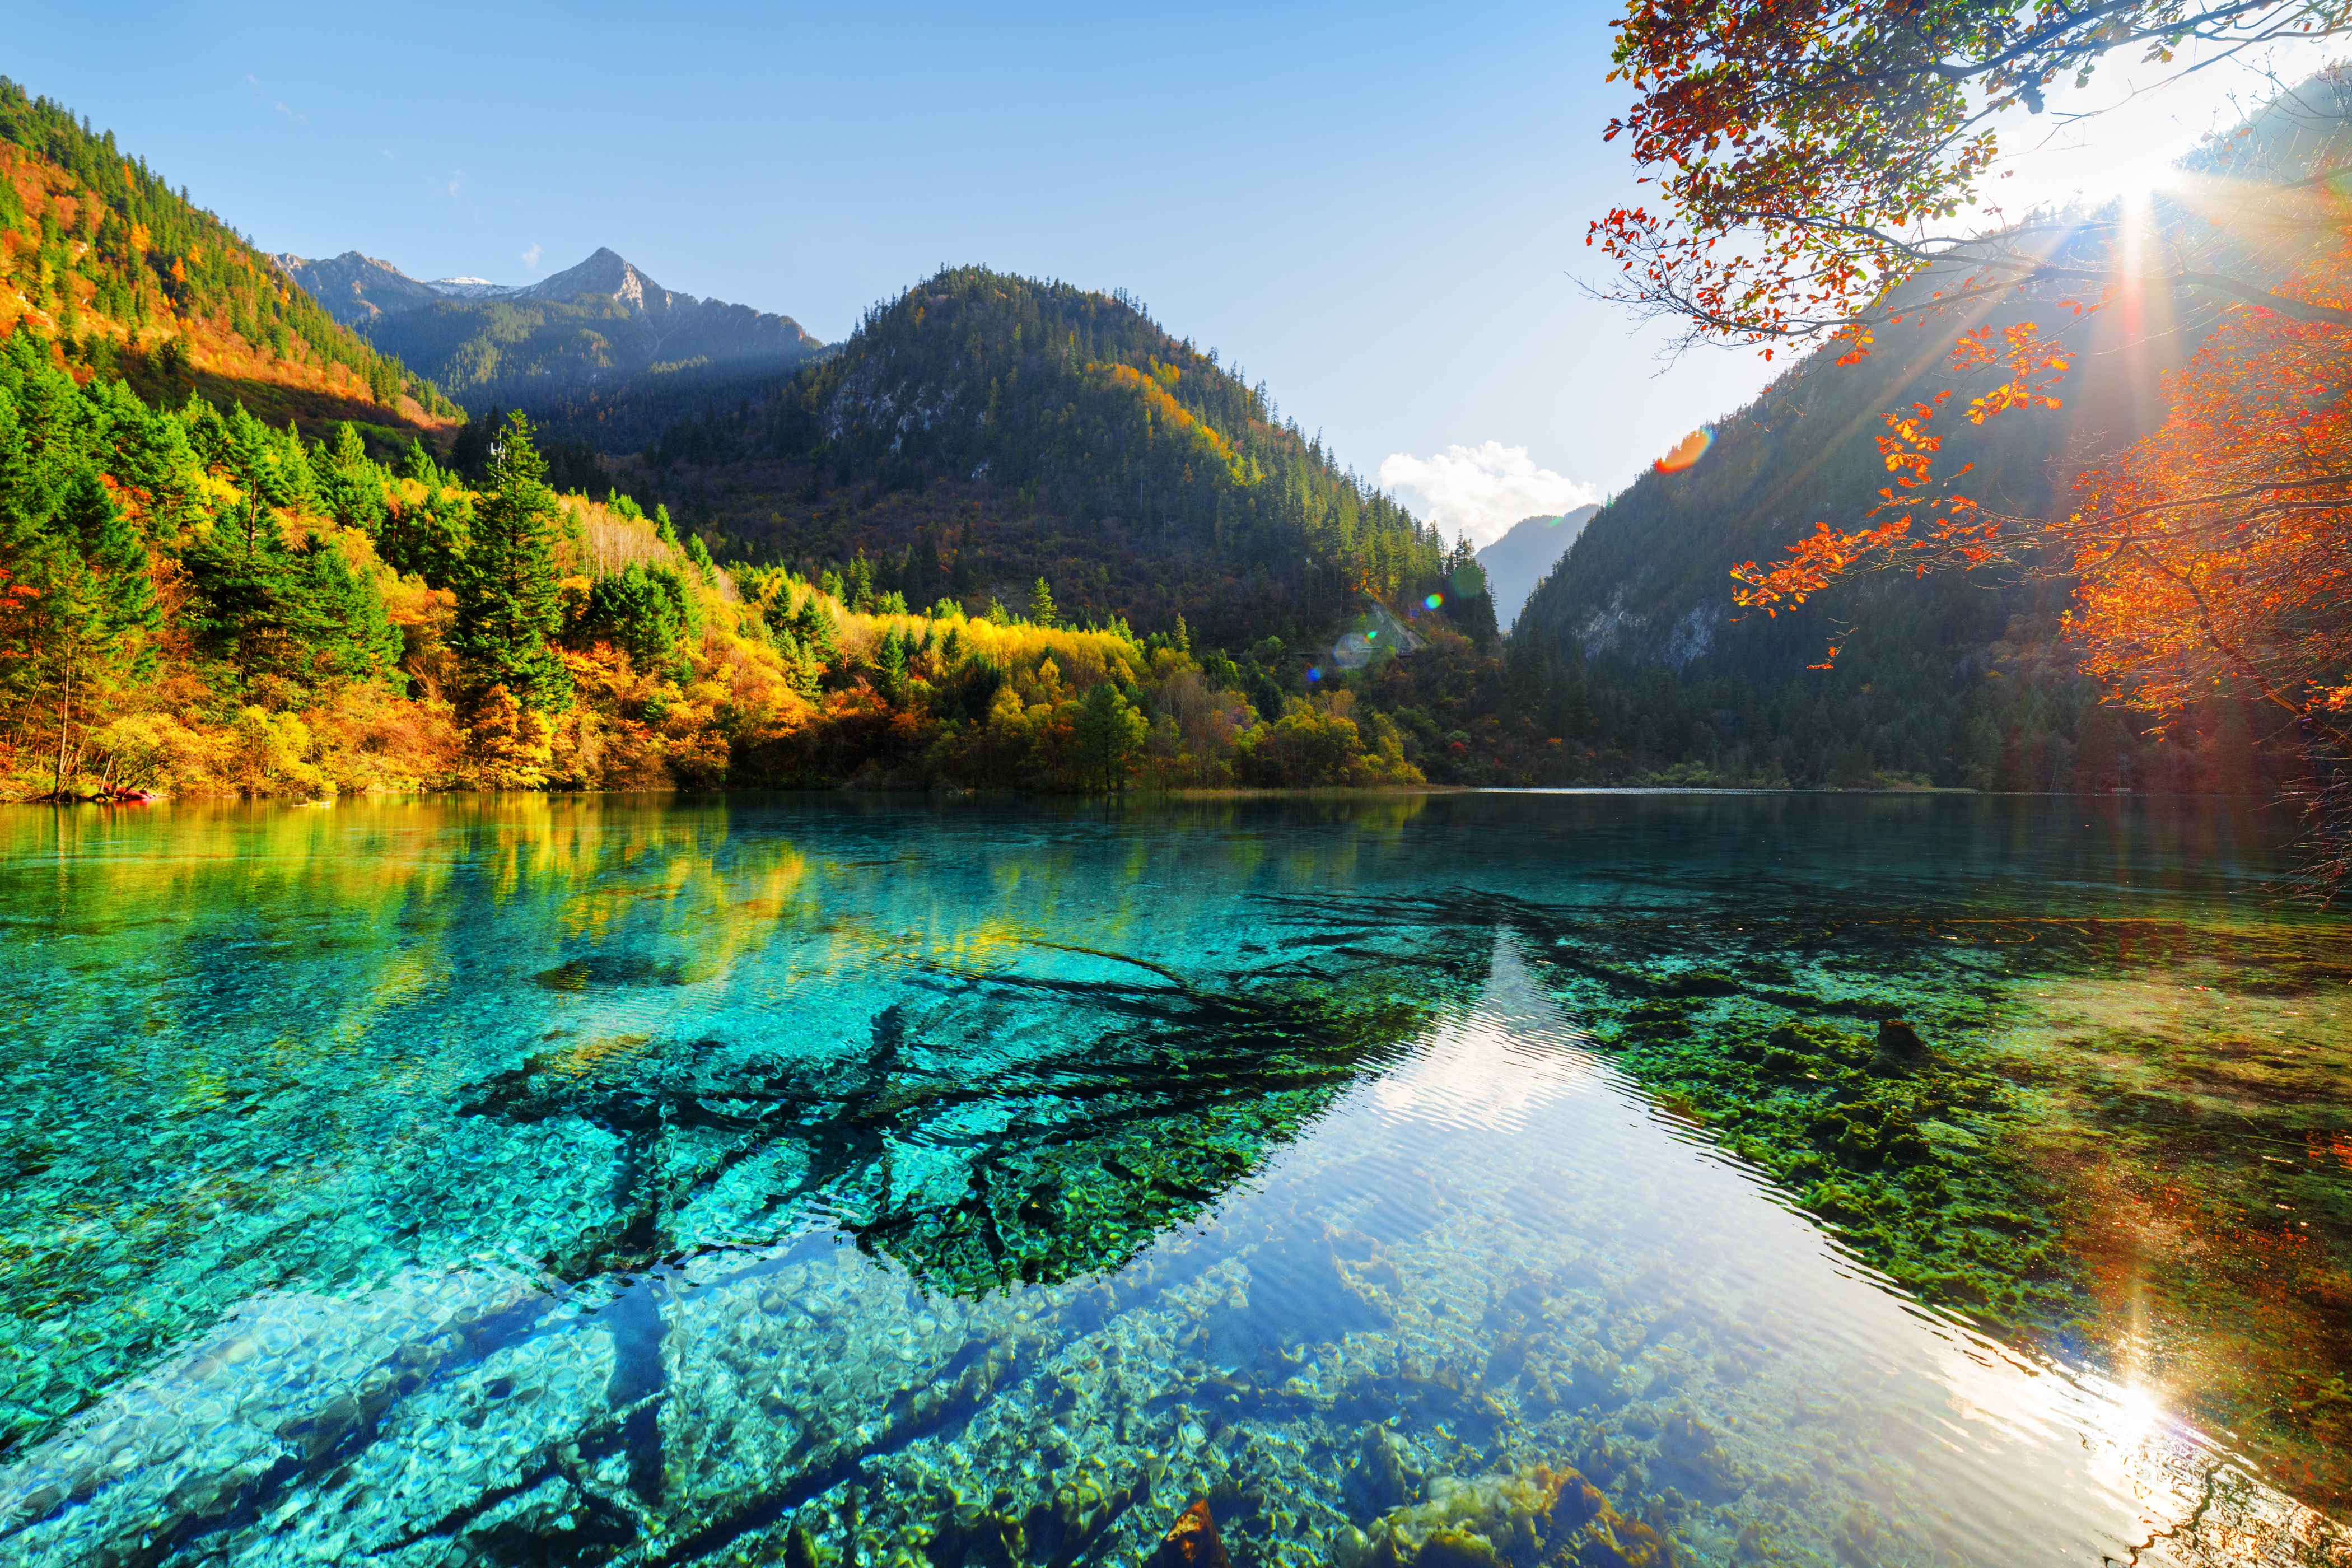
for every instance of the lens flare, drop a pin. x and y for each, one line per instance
(1313, 672)
(1687, 450)
(1434, 601)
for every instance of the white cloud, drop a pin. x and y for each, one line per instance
(531, 256)
(1482, 490)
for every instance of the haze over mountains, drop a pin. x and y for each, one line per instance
(1516, 562)
(591, 326)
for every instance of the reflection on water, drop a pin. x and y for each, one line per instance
(1461, 1180)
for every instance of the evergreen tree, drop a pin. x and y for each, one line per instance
(1108, 736)
(427, 539)
(87, 628)
(1041, 604)
(350, 485)
(641, 610)
(508, 603)
(418, 464)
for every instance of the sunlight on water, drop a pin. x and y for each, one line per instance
(1439, 1182)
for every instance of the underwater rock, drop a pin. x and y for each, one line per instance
(1901, 1051)
(1383, 1475)
(1592, 1379)
(1689, 1457)
(1191, 1541)
(278, 1389)
(1516, 1520)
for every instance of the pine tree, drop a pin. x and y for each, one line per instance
(1109, 735)
(88, 628)
(507, 603)
(1041, 604)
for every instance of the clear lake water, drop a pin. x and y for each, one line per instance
(1453, 1180)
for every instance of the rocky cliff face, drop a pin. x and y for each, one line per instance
(357, 289)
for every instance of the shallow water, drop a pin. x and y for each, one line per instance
(1515, 1178)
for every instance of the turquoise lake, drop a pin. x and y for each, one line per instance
(1527, 1178)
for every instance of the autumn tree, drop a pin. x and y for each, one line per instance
(641, 609)
(1809, 160)
(91, 614)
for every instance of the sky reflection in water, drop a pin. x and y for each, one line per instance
(569, 1180)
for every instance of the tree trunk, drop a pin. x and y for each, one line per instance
(65, 717)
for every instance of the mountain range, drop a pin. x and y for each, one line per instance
(994, 439)
(590, 326)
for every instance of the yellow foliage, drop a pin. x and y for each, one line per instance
(509, 745)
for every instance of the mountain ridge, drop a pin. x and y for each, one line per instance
(127, 278)
(593, 325)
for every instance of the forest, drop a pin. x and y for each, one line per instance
(199, 602)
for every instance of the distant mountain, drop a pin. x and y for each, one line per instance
(356, 290)
(1516, 562)
(590, 327)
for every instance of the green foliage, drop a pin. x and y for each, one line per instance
(641, 610)
(508, 606)
(270, 611)
(428, 540)
(1108, 736)
(350, 487)
(1066, 436)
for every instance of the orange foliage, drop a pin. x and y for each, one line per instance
(1953, 529)
(2215, 554)
(2217, 550)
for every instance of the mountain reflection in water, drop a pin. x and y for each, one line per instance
(586, 1180)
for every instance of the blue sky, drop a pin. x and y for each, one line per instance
(1379, 210)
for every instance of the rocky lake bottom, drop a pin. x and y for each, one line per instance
(1534, 1179)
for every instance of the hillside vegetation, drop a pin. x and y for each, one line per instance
(191, 601)
(124, 277)
(1953, 679)
(983, 430)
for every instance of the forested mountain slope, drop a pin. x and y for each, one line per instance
(125, 277)
(1957, 679)
(575, 337)
(982, 431)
